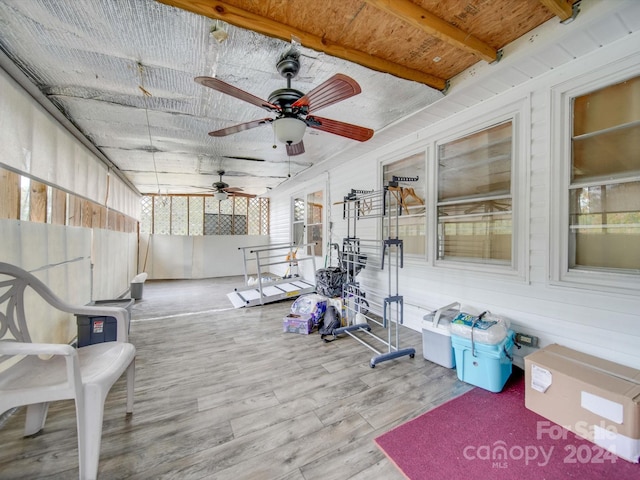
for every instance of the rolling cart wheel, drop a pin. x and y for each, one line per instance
(411, 355)
(372, 365)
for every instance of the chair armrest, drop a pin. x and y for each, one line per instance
(19, 348)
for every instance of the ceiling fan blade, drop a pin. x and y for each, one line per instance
(223, 132)
(337, 88)
(354, 132)
(227, 89)
(297, 149)
(242, 194)
(232, 189)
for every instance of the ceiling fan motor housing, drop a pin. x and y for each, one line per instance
(284, 98)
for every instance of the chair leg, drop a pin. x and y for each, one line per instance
(36, 416)
(131, 380)
(90, 431)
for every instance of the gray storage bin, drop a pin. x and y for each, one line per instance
(436, 335)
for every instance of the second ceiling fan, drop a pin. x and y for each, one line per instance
(293, 108)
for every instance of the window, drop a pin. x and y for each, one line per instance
(297, 231)
(314, 222)
(604, 185)
(474, 206)
(411, 219)
(308, 222)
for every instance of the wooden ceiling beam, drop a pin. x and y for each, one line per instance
(563, 9)
(418, 17)
(241, 18)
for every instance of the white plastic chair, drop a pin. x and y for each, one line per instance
(85, 374)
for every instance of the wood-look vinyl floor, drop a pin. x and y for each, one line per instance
(225, 394)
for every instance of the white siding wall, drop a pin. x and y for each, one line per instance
(205, 256)
(603, 323)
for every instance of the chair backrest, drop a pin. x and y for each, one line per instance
(14, 282)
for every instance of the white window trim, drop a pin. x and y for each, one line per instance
(560, 177)
(519, 113)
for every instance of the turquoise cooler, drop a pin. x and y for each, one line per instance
(482, 365)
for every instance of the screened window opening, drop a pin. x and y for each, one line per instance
(474, 197)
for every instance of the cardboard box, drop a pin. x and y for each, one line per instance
(596, 399)
(297, 323)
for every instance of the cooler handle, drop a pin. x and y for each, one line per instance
(436, 317)
(476, 320)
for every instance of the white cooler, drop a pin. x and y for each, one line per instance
(436, 335)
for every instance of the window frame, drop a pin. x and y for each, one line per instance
(423, 180)
(561, 125)
(518, 113)
(304, 197)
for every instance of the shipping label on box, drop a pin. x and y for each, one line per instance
(596, 399)
(297, 323)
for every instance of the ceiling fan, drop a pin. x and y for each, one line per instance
(293, 108)
(222, 190)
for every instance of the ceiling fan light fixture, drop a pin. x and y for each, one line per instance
(289, 130)
(220, 196)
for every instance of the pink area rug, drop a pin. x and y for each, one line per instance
(484, 435)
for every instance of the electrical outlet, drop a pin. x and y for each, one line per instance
(527, 340)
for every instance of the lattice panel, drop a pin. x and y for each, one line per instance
(196, 215)
(253, 216)
(203, 215)
(210, 223)
(161, 215)
(240, 205)
(239, 225)
(179, 216)
(226, 206)
(225, 225)
(264, 216)
(211, 205)
(146, 214)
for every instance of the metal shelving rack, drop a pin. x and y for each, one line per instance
(384, 205)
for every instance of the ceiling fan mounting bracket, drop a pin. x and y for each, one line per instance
(288, 66)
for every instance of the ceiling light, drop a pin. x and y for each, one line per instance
(289, 130)
(220, 196)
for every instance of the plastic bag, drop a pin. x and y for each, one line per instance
(487, 328)
(310, 304)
